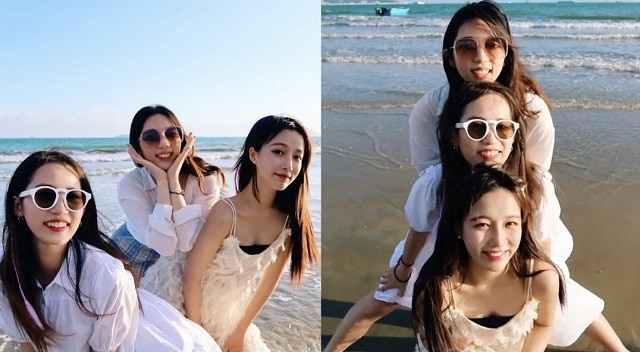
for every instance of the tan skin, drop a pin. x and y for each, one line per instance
(258, 221)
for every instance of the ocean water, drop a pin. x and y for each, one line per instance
(291, 319)
(586, 57)
(584, 54)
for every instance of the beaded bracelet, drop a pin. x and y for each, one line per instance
(396, 275)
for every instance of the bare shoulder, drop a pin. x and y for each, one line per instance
(545, 285)
(220, 216)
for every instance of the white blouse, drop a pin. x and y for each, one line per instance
(112, 291)
(423, 130)
(158, 226)
(108, 290)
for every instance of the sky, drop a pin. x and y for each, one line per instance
(73, 68)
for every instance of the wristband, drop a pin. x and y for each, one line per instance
(396, 275)
(177, 192)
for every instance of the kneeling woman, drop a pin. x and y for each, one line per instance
(64, 287)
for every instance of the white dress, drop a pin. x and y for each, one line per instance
(470, 336)
(109, 290)
(227, 286)
(582, 307)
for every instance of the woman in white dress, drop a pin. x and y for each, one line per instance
(488, 286)
(253, 234)
(64, 286)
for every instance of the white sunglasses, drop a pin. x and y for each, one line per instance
(477, 129)
(46, 197)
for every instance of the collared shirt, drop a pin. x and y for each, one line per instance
(108, 290)
(158, 226)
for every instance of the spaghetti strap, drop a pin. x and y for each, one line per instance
(233, 212)
(529, 279)
(286, 224)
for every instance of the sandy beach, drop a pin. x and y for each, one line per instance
(367, 176)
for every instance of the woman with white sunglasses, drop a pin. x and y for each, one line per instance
(168, 196)
(63, 285)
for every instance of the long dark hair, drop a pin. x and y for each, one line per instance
(293, 200)
(17, 268)
(193, 165)
(450, 256)
(454, 165)
(514, 74)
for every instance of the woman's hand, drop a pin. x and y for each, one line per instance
(389, 279)
(234, 342)
(174, 169)
(156, 172)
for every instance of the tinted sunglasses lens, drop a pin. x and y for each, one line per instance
(173, 133)
(477, 130)
(45, 198)
(496, 48)
(505, 129)
(76, 200)
(150, 136)
(465, 48)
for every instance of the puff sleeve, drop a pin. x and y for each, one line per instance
(115, 298)
(421, 210)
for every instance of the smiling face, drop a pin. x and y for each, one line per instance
(490, 150)
(164, 152)
(480, 68)
(492, 230)
(279, 161)
(54, 227)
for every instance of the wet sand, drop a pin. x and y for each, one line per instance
(367, 175)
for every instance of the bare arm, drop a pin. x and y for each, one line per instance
(414, 242)
(545, 288)
(173, 175)
(215, 229)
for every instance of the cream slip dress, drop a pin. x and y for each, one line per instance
(471, 337)
(227, 285)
